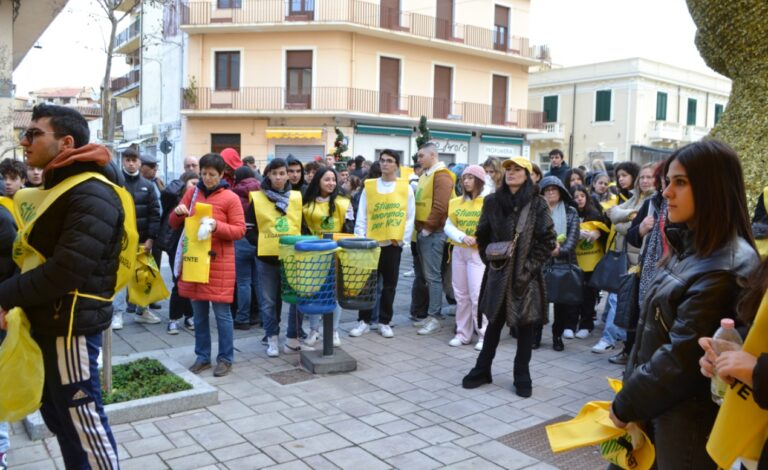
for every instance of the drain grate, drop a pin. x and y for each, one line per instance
(291, 376)
(533, 441)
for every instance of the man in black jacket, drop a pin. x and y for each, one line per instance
(79, 236)
(148, 225)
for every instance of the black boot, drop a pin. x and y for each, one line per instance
(523, 385)
(476, 377)
(557, 343)
(537, 336)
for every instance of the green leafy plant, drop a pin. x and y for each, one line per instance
(423, 138)
(190, 92)
(141, 379)
(339, 147)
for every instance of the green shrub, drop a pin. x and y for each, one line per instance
(141, 379)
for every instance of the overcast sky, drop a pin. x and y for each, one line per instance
(577, 31)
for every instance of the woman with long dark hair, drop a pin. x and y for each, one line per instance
(513, 290)
(698, 283)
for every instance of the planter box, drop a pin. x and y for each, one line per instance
(201, 395)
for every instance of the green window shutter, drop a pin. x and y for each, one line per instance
(718, 112)
(550, 109)
(691, 121)
(661, 106)
(603, 106)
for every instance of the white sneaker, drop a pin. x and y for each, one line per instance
(272, 348)
(362, 327)
(455, 342)
(148, 317)
(420, 323)
(479, 345)
(312, 338)
(336, 339)
(117, 321)
(374, 325)
(386, 331)
(292, 346)
(582, 334)
(602, 346)
(568, 333)
(432, 325)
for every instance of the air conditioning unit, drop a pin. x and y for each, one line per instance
(131, 60)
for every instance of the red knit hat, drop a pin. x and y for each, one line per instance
(231, 158)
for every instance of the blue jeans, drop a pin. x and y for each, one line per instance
(120, 302)
(5, 442)
(296, 318)
(428, 283)
(269, 300)
(203, 331)
(612, 333)
(246, 279)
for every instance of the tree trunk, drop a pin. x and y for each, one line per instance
(106, 86)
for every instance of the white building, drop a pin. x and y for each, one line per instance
(623, 110)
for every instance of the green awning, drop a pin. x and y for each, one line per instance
(501, 139)
(448, 135)
(384, 130)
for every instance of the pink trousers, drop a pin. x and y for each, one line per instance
(467, 270)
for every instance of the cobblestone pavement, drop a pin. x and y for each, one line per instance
(402, 408)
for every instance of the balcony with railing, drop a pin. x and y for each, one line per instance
(694, 133)
(204, 16)
(664, 132)
(127, 85)
(128, 39)
(325, 100)
(554, 131)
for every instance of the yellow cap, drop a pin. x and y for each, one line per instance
(519, 161)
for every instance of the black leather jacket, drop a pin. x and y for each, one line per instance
(687, 299)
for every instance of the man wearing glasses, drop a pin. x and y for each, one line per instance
(79, 236)
(386, 213)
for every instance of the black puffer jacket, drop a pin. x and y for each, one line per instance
(147, 206)
(79, 235)
(686, 300)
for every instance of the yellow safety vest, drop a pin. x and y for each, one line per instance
(465, 214)
(319, 222)
(588, 254)
(386, 213)
(31, 203)
(610, 202)
(424, 192)
(272, 224)
(8, 204)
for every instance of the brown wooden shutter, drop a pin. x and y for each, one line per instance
(299, 59)
(442, 92)
(444, 20)
(390, 14)
(389, 85)
(501, 16)
(499, 104)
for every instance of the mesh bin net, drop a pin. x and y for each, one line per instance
(357, 277)
(312, 277)
(287, 249)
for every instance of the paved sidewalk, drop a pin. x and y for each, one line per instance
(403, 408)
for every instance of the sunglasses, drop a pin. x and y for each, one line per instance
(30, 134)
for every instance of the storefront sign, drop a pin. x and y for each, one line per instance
(459, 149)
(500, 150)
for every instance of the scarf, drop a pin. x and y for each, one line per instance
(559, 218)
(280, 198)
(654, 249)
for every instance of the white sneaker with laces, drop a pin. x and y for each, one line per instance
(146, 316)
(312, 338)
(386, 331)
(336, 339)
(432, 325)
(582, 334)
(455, 342)
(479, 345)
(117, 321)
(420, 323)
(568, 333)
(361, 328)
(602, 346)
(272, 348)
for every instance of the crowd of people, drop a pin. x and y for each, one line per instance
(487, 238)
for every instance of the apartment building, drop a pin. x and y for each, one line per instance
(632, 109)
(275, 77)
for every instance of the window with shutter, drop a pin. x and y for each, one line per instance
(550, 108)
(661, 106)
(603, 106)
(718, 112)
(691, 121)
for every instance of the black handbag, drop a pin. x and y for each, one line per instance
(498, 254)
(627, 305)
(609, 271)
(564, 283)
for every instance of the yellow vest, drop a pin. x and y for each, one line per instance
(588, 254)
(317, 219)
(610, 202)
(424, 192)
(386, 213)
(465, 214)
(272, 224)
(31, 203)
(8, 204)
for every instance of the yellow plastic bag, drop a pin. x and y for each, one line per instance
(146, 285)
(629, 448)
(21, 366)
(357, 267)
(196, 262)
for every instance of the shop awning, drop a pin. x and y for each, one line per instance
(448, 135)
(282, 133)
(384, 130)
(501, 139)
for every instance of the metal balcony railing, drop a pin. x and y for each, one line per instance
(126, 35)
(356, 100)
(361, 13)
(125, 82)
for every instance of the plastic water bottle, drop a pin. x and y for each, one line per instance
(726, 338)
